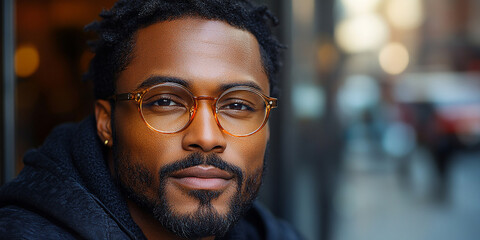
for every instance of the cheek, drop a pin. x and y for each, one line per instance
(132, 135)
(143, 146)
(134, 175)
(251, 150)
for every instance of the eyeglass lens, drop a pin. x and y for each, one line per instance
(169, 109)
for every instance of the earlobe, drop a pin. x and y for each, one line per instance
(103, 112)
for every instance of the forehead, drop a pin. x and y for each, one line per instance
(204, 53)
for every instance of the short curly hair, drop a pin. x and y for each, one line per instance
(117, 29)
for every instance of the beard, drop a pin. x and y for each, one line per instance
(134, 179)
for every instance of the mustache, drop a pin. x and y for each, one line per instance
(196, 159)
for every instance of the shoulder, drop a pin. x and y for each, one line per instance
(275, 228)
(20, 223)
(259, 223)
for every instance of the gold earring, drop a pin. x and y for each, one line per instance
(106, 142)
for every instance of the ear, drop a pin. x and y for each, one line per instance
(103, 113)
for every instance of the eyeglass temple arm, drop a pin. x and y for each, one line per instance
(126, 96)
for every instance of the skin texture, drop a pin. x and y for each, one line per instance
(207, 55)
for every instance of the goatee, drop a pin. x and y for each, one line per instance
(205, 221)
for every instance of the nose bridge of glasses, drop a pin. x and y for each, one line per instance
(207, 98)
(210, 111)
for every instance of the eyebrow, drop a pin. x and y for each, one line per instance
(227, 86)
(155, 80)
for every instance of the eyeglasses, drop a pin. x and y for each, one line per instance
(170, 108)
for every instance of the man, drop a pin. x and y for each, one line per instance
(176, 147)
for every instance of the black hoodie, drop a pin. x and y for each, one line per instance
(65, 191)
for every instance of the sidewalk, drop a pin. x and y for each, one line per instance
(373, 202)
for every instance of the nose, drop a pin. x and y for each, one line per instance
(204, 134)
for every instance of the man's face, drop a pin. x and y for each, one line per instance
(199, 178)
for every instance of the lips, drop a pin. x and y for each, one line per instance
(202, 177)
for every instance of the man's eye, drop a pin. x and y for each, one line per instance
(237, 106)
(165, 102)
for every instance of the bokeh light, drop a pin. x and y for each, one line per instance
(303, 10)
(355, 7)
(398, 139)
(327, 56)
(357, 94)
(27, 60)
(362, 33)
(394, 58)
(405, 14)
(308, 101)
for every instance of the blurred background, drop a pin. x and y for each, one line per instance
(378, 131)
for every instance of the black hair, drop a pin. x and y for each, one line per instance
(119, 25)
